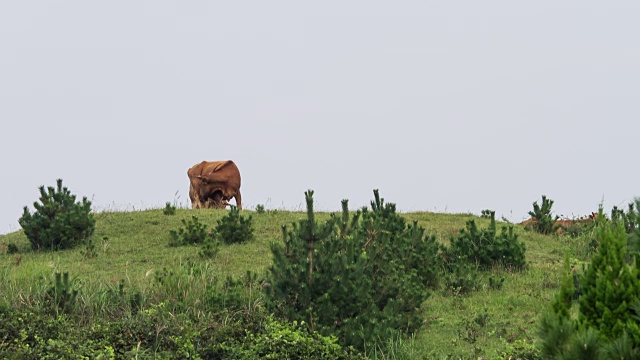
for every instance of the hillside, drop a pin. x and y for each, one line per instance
(133, 246)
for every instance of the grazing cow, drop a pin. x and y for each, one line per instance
(213, 183)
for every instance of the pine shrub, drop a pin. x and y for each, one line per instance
(59, 222)
(487, 248)
(610, 287)
(361, 278)
(460, 276)
(61, 296)
(12, 248)
(234, 228)
(543, 222)
(606, 324)
(169, 209)
(193, 232)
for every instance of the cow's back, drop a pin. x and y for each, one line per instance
(223, 172)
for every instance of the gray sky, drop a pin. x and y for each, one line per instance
(447, 106)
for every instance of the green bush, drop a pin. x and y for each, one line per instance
(460, 276)
(185, 314)
(630, 219)
(61, 296)
(89, 251)
(361, 278)
(234, 228)
(291, 341)
(193, 232)
(12, 248)
(210, 249)
(486, 247)
(542, 220)
(169, 209)
(260, 209)
(59, 222)
(607, 321)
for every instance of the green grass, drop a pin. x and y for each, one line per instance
(133, 246)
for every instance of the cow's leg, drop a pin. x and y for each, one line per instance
(193, 197)
(238, 200)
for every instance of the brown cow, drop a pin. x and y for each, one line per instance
(213, 184)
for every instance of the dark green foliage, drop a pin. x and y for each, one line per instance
(59, 222)
(260, 209)
(621, 348)
(234, 228)
(89, 251)
(608, 318)
(486, 248)
(629, 219)
(12, 248)
(610, 286)
(153, 335)
(169, 209)
(496, 283)
(486, 213)
(555, 332)
(362, 278)
(579, 228)
(460, 276)
(543, 222)
(210, 249)
(61, 296)
(564, 299)
(234, 293)
(192, 232)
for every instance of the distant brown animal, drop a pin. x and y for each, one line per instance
(213, 183)
(561, 224)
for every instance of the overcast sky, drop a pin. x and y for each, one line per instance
(446, 106)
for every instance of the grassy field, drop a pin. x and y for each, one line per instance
(133, 246)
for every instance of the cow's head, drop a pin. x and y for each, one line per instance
(208, 189)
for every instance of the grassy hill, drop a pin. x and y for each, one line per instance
(133, 246)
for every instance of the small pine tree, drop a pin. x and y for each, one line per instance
(361, 278)
(610, 287)
(59, 222)
(192, 232)
(543, 221)
(169, 209)
(608, 318)
(234, 228)
(61, 296)
(487, 247)
(564, 298)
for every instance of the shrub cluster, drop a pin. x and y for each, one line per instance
(192, 232)
(31, 334)
(169, 209)
(234, 228)
(59, 222)
(486, 247)
(361, 277)
(542, 220)
(607, 324)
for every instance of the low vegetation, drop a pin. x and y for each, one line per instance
(59, 222)
(367, 284)
(541, 219)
